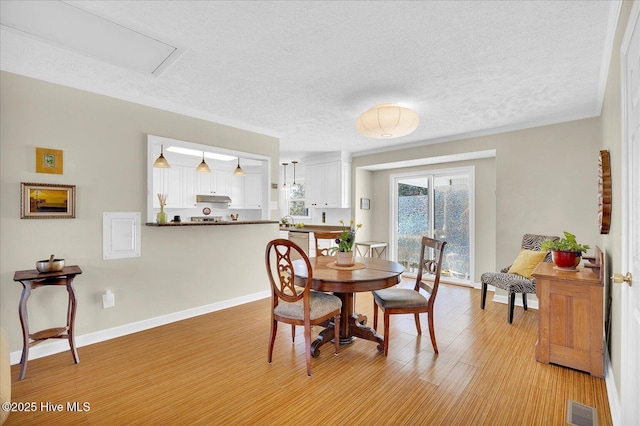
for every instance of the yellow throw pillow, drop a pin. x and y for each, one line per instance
(526, 262)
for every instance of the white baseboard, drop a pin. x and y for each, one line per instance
(46, 349)
(612, 392)
(503, 298)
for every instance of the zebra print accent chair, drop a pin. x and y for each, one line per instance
(513, 283)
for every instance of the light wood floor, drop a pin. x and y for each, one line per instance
(212, 370)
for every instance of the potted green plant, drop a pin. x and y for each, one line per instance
(565, 252)
(344, 250)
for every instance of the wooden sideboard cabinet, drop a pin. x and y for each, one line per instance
(570, 316)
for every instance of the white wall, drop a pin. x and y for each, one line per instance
(105, 154)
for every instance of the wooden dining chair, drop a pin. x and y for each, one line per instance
(325, 236)
(396, 300)
(296, 304)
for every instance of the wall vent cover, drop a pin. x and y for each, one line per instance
(581, 415)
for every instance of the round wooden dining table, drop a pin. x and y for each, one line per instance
(344, 283)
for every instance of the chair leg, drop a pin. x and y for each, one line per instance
(272, 340)
(293, 333)
(417, 318)
(386, 333)
(524, 300)
(512, 302)
(483, 299)
(432, 332)
(375, 316)
(336, 332)
(307, 348)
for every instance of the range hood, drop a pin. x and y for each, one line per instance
(213, 199)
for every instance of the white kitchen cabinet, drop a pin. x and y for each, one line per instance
(237, 192)
(246, 191)
(218, 182)
(328, 185)
(253, 191)
(168, 181)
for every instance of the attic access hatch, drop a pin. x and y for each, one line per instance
(75, 29)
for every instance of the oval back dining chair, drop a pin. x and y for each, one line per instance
(396, 300)
(295, 304)
(325, 236)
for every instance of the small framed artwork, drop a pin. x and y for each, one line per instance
(49, 161)
(47, 201)
(365, 203)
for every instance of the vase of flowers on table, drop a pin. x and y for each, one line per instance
(344, 250)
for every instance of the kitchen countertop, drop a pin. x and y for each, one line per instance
(231, 222)
(312, 228)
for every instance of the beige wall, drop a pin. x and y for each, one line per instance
(542, 180)
(612, 141)
(105, 150)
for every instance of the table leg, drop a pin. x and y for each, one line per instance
(71, 319)
(24, 321)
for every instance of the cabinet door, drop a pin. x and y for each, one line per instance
(332, 185)
(189, 190)
(222, 182)
(253, 191)
(237, 192)
(204, 183)
(314, 186)
(172, 186)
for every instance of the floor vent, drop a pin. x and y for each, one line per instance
(581, 415)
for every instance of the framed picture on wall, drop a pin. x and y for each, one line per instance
(47, 201)
(49, 161)
(365, 203)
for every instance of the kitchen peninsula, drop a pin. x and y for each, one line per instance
(232, 222)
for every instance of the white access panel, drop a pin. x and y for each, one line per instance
(121, 235)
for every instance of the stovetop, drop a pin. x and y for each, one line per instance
(206, 219)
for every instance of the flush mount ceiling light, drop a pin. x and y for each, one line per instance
(161, 162)
(203, 167)
(386, 121)
(238, 171)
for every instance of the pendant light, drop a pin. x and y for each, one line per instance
(238, 171)
(294, 186)
(161, 162)
(203, 167)
(284, 185)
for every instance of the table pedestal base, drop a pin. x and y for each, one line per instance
(353, 327)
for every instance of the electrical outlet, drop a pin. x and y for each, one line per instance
(108, 300)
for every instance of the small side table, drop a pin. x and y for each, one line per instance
(374, 249)
(32, 279)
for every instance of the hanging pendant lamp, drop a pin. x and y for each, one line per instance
(387, 121)
(161, 162)
(284, 185)
(203, 167)
(238, 171)
(294, 185)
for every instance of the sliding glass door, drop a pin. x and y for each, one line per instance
(437, 204)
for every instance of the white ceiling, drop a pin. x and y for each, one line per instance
(304, 70)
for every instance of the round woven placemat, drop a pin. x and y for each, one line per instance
(356, 265)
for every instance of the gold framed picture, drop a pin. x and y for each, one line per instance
(47, 201)
(49, 161)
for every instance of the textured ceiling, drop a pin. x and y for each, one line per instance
(303, 71)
